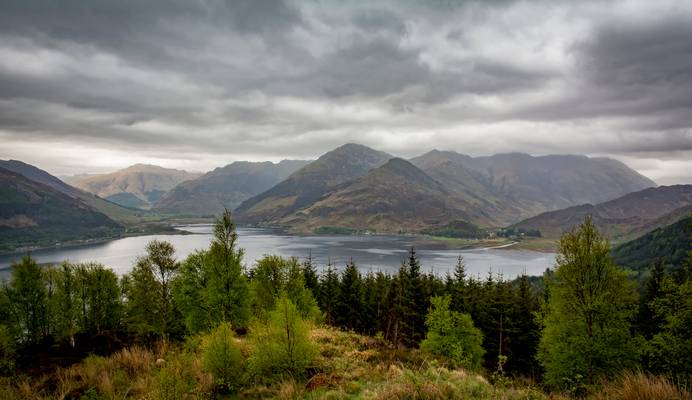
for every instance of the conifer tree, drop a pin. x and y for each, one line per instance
(414, 305)
(349, 309)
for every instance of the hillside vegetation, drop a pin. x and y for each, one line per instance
(621, 219)
(34, 213)
(668, 246)
(205, 327)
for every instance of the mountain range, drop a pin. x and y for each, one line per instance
(137, 186)
(623, 218)
(225, 187)
(32, 212)
(356, 187)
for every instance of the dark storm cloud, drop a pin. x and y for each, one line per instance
(271, 79)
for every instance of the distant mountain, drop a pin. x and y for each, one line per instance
(225, 187)
(112, 210)
(310, 183)
(625, 217)
(516, 185)
(138, 186)
(396, 197)
(669, 245)
(36, 213)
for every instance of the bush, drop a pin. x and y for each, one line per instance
(451, 334)
(282, 346)
(221, 356)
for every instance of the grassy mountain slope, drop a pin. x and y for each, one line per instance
(144, 182)
(396, 197)
(310, 183)
(620, 218)
(114, 211)
(669, 245)
(37, 214)
(557, 181)
(225, 187)
(515, 186)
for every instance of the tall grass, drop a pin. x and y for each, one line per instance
(641, 386)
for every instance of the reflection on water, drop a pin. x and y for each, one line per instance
(370, 253)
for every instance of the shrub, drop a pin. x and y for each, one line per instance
(451, 334)
(221, 356)
(282, 346)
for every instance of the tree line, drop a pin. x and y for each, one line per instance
(584, 321)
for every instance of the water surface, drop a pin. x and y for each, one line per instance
(369, 252)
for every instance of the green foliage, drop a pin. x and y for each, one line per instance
(28, 301)
(93, 290)
(413, 305)
(221, 356)
(456, 229)
(212, 287)
(7, 351)
(668, 246)
(274, 275)
(452, 335)
(148, 288)
(670, 349)
(587, 321)
(282, 346)
(336, 230)
(349, 306)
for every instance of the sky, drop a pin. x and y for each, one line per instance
(93, 86)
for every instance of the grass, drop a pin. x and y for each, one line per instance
(640, 386)
(349, 366)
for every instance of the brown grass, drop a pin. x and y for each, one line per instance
(641, 386)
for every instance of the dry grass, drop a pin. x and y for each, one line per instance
(641, 386)
(349, 366)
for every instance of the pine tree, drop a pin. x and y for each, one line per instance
(349, 309)
(458, 287)
(414, 304)
(310, 275)
(328, 294)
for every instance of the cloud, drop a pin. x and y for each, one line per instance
(197, 84)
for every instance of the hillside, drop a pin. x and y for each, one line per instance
(625, 217)
(225, 187)
(138, 186)
(669, 245)
(515, 186)
(114, 211)
(37, 214)
(396, 197)
(310, 183)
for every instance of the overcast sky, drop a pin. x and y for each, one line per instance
(92, 86)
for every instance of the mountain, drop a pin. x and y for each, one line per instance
(396, 197)
(225, 187)
(114, 211)
(32, 212)
(137, 186)
(310, 183)
(516, 185)
(669, 245)
(625, 217)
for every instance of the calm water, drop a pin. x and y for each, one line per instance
(370, 253)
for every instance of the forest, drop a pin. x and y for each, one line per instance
(211, 327)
